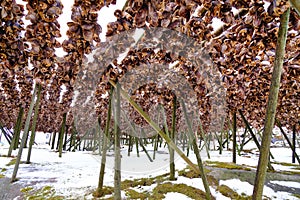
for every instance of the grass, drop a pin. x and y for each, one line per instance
(11, 162)
(286, 164)
(3, 170)
(2, 176)
(144, 181)
(132, 194)
(45, 193)
(106, 190)
(290, 172)
(228, 192)
(160, 190)
(296, 195)
(189, 173)
(163, 187)
(126, 184)
(227, 165)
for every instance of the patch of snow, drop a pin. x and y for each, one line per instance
(176, 195)
(238, 186)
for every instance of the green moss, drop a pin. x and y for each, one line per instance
(2, 176)
(137, 182)
(106, 190)
(132, 194)
(11, 162)
(227, 165)
(285, 164)
(161, 189)
(45, 193)
(228, 192)
(296, 195)
(143, 181)
(212, 181)
(26, 189)
(189, 173)
(3, 170)
(290, 172)
(296, 168)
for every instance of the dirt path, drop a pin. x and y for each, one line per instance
(9, 191)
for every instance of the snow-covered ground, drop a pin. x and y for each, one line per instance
(75, 175)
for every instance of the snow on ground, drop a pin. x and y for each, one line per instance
(76, 173)
(176, 195)
(245, 188)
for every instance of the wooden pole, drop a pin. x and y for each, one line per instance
(197, 153)
(244, 139)
(73, 137)
(137, 146)
(205, 138)
(61, 134)
(6, 135)
(172, 160)
(15, 141)
(129, 145)
(117, 134)
(104, 144)
(66, 138)
(251, 132)
(34, 120)
(156, 128)
(234, 139)
(25, 135)
(294, 145)
(296, 5)
(288, 140)
(271, 107)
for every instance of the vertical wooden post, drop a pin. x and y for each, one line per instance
(73, 138)
(155, 145)
(117, 133)
(53, 140)
(294, 145)
(25, 135)
(66, 138)
(15, 141)
(234, 139)
(227, 139)
(137, 146)
(104, 144)
(129, 145)
(172, 137)
(61, 134)
(271, 107)
(58, 139)
(221, 143)
(33, 127)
